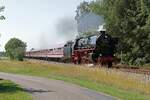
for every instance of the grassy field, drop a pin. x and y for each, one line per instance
(122, 85)
(11, 91)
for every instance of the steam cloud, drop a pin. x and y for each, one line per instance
(66, 27)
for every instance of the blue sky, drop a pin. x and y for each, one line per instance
(36, 21)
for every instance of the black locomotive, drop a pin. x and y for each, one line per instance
(97, 49)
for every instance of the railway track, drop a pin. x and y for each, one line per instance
(134, 69)
(123, 68)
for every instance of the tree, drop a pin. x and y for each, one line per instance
(82, 9)
(1, 16)
(15, 49)
(1, 10)
(130, 21)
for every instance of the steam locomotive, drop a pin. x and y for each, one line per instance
(96, 49)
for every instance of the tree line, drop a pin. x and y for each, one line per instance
(129, 20)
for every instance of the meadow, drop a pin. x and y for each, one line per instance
(124, 86)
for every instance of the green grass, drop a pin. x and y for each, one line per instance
(113, 91)
(11, 91)
(114, 83)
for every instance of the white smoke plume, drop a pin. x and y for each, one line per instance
(66, 27)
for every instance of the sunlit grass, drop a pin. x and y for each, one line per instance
(100, 77)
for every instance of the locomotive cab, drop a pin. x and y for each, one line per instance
(85, 42)
(83, 48)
